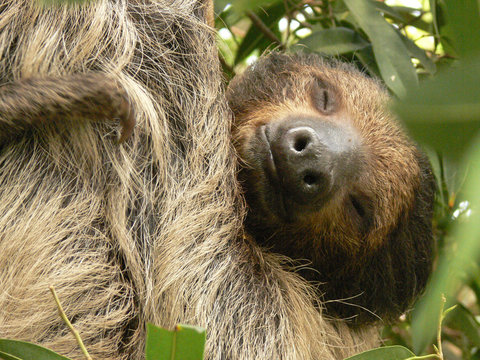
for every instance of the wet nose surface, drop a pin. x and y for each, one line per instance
(313, 158)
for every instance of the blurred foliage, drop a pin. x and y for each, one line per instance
(20, 350)
(387, 352)
(185, 342)
(427, 52)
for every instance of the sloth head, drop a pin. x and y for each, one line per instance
(331, 178)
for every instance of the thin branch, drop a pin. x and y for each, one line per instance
(429, 356)
(412, 20)
(264, 29)
(69, 324)
(227, 67)
(314, 3)
(289, 20)
(229, 28)
(438, 348)
(330, 13)
(439, 329)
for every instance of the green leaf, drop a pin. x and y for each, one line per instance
(435, 24)
(254, 39)
(6, 356)
(403, 15)
(445, 112)
(464, 321)
(219, 6)
(389, 11)
(228, 18)
(411, 18)
(183, 343)
(334, 41)
(390, 51)
(475, 280)
(254, 5)
(464, 21)
(367, 58)
(443, 31)
(419, 54)
(450, 269)
(15, 349)
(388, 352)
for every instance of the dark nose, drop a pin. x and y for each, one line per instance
(313, 158)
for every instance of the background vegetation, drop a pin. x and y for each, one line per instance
(428, 54)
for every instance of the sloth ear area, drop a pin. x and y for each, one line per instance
(31, 103)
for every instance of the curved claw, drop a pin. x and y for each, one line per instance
(127, 121)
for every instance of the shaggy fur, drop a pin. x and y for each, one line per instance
(147, 230)
(370, 247)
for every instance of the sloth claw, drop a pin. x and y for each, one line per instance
(127, 121)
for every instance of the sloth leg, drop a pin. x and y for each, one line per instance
(31, 102)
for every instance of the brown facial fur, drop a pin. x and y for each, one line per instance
(147, 230)
(377, 268)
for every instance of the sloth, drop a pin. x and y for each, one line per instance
(148, 225)
(330, 178)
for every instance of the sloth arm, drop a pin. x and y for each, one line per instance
(31, 102)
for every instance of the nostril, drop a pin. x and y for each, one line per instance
(310, 179)
(301, 143)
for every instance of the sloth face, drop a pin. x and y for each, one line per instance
(328, 174)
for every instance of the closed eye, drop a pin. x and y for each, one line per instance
(361, 210)
(357, 205)
(323, 97)
(325, 100)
